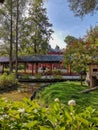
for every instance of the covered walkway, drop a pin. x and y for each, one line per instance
(34, 63)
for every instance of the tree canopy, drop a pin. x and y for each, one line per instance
(83, 7)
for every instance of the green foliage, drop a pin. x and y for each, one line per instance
(7, 81)
(31, 115)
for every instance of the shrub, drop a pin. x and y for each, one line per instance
(7, 81)
(31, 115)
(57, 72)
(25, 76)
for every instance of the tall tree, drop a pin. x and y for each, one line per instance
(10, 17)
(37, 30)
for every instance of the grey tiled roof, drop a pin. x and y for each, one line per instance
(37, 59)
(4, 59)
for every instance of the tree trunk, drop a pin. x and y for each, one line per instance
(11, 41)
(17, 17)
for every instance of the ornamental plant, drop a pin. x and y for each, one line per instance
(32, 115)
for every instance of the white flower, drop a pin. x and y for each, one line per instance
(71, 102)
(3, 116)
(21, 110)
(56, 100)
(35, 110)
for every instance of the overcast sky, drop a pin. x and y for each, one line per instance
(65, 23)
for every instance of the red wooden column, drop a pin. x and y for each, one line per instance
(32, 68)
(36, 68)
(50, 68)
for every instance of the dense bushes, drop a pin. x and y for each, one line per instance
(7, 81)
(30, 115)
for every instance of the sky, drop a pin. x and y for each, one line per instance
(66, 23)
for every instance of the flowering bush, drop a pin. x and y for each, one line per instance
(31, 115)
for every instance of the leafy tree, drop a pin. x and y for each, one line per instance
(80, 52)
(77, 56)
(83, 7)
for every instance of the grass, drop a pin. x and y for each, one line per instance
(66, 91)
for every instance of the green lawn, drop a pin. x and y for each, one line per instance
(66, 91)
